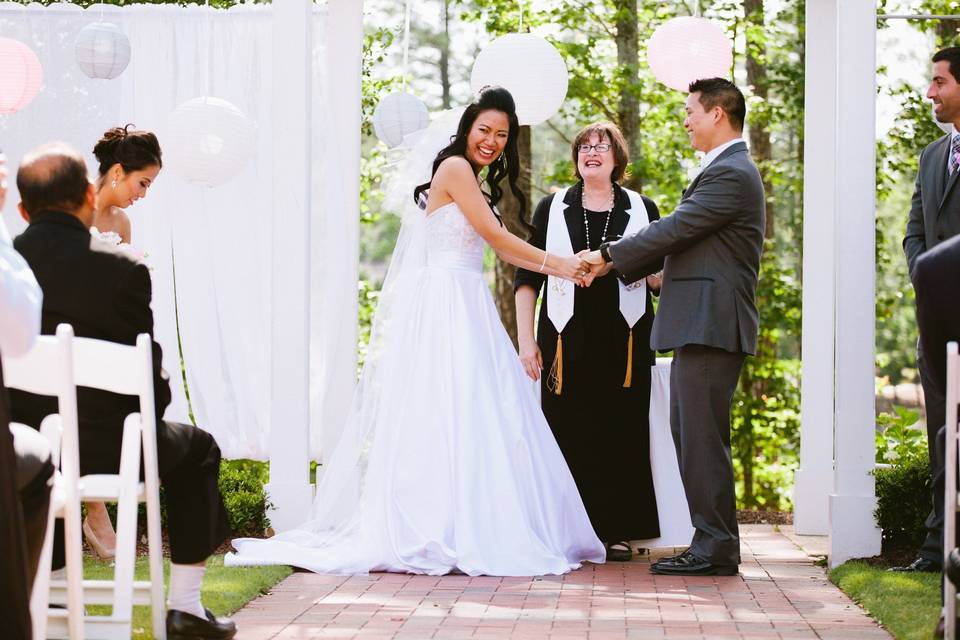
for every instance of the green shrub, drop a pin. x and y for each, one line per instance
(903, 501)
(242, 486)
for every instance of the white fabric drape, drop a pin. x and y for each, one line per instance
(215, 241)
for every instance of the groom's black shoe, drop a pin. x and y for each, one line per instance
(184, 626)
(919, 565)
(690, 564)
(669, 559)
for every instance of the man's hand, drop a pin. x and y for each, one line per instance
(595, 262)
(655, 280)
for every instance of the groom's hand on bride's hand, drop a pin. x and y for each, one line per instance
(596, 264)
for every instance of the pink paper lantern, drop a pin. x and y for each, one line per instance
(685, 49)
(20, 75)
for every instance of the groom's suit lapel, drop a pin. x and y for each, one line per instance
(726, 153)
(573, 215)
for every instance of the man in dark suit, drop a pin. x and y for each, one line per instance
(935, 217)
(26, 470)
(707, 314)
(104, 294)
(935, 278)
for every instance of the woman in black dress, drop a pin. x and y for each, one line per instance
(592, 351)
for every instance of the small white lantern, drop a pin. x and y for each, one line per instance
(527, 66)
(397, 115)
(20, 75)
(208, 141)
(685, 49)
(102, 50)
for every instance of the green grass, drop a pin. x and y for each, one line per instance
(907, 604)
(225, 589)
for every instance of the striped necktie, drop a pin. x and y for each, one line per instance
(954, 159)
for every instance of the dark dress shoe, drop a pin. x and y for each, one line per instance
(919, 565)
(185, 626)
(669, 559)
(690, 564)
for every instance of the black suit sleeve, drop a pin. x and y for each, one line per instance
(132, 307)
(538, 239)
(914, 241)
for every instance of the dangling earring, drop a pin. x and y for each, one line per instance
(113, 184)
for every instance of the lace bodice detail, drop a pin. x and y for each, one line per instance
(452, 240)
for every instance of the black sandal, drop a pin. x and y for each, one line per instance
(619, 551)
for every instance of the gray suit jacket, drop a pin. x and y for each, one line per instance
(935, 209)
(712, 243)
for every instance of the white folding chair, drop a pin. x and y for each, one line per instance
(952, 497)
(47, 369)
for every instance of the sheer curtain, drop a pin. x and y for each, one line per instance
(209, 249)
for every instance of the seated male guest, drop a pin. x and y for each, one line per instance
(106, 295)
(26, 470)
(938, 316)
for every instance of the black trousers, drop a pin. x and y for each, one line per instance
(936, 409)
(702, 382)
(189, 462)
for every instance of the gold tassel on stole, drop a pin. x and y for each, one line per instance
(556, 369)
(628, 379)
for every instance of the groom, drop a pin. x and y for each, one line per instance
(707, 314)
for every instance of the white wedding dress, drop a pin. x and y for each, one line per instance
(446, 463)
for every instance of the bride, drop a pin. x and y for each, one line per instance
(446, 462)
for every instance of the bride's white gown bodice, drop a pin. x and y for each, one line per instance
(458, 470)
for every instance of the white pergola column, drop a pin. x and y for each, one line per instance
(853, 530)
(289, 488)
(814, 479)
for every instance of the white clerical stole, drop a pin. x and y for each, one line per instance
(633, 297)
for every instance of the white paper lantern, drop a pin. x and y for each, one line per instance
(685, 49)
(397, 115)
(102, 50)
(208, 141)
(20, 75)
(527, 66)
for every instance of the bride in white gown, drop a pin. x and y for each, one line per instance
(446, 462)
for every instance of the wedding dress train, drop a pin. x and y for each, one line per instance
(446, 463)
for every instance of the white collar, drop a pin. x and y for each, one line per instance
(716, 151)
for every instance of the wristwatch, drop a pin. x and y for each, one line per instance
(605, 252)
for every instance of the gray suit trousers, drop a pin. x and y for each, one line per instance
(702, 382)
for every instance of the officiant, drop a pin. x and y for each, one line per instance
(592, 352)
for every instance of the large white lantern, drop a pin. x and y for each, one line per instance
(685, 49)
(102, 50)
(208, 141)
(20, 75)
(527, 66)
(397, 115)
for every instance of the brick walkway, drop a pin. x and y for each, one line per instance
(780, 593)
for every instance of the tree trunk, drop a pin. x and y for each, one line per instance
(510, 211)
(445, 56)
(628, 109)
(759, 134)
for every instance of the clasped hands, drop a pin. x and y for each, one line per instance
(585, 267)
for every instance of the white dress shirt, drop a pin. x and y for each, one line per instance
(716, 151)
(20, 300)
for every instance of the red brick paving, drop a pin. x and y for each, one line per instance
(779, 593)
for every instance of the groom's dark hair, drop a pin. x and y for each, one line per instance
(720, 92)
(952, 56)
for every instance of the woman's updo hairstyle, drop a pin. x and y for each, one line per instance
(130, 148)
(506, 166)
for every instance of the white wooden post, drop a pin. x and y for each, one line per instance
(289, 487)
(814, 480)
(853, 530)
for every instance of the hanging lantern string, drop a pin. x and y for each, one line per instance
(406, 42)
(520, 26)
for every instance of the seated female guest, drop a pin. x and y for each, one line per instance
(595, 342)
(129, 163)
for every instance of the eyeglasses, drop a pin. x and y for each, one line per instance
(603, 147)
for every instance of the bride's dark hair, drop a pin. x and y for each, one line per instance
(508, 164)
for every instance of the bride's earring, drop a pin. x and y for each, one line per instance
(113, 184)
